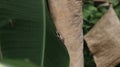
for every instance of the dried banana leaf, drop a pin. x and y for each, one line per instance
(104, 40)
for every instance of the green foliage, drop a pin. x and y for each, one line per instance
(115, 2)
(92, 14)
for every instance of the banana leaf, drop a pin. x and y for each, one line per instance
(27, 33)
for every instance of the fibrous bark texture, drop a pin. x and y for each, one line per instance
(104, 40)
(67, 16)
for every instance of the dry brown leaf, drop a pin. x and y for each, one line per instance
(104, 40)
(67, 16)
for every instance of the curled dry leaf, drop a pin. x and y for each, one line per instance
(67, 16)
(104, 40)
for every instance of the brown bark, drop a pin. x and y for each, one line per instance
(67, 16)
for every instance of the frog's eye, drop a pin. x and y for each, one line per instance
(59, 37)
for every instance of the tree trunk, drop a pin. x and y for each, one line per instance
(67, 16)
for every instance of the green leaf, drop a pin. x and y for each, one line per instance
(88, 10)
(23, 34)
(16, 63)
(25, 38)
